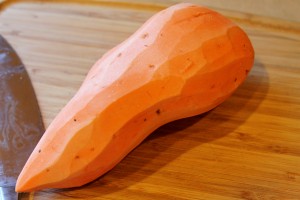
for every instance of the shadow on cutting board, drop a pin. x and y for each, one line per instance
(174, 139)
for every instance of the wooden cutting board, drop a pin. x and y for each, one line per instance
(247, 148)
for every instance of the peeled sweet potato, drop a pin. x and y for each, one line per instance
(183, 61)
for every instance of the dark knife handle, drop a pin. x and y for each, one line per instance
(23, 196)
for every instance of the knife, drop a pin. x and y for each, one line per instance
(21, 124)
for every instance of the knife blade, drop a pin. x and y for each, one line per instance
(21, 124)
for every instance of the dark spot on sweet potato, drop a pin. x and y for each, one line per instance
(119, 55)
(93, 76)
(198, 14)
(40, 150)
(235, 79)
(151, 66)
(145, 35)
(74, 119)
(77, 157)
(145, 119)
(158, 111)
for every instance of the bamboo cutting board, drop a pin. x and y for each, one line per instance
(247, 148)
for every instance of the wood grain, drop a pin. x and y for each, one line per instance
(247, 148)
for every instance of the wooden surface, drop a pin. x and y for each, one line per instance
(247, 148)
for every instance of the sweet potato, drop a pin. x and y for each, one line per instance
(183, 61)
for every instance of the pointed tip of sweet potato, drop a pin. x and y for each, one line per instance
(26, 186)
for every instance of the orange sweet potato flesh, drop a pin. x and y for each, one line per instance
(183, 61)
